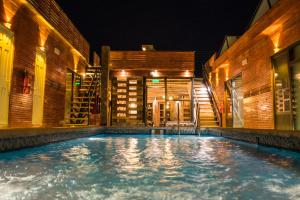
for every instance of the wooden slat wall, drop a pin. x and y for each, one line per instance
(52, 12)
(152, 60)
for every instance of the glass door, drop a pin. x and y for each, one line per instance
(282, 96)
(237, 97)
(295, 72)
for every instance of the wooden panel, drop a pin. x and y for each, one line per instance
(152, 60)
(251, 56)
(52, 12)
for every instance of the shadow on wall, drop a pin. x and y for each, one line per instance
(2, 12)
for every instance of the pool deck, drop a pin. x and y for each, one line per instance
(18, 138)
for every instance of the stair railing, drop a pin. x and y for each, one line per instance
(196, 116)
(94, 83)
(213, 95)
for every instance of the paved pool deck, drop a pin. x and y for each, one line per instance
(18, 138)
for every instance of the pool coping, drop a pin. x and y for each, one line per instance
(18, 138)
(289, 140)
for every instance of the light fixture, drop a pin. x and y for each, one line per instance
(144, 49)
(123, 72)
(171, 98)
(7, 25)
(187, 73)
(154, 73)
(42, 48)
(133, 105)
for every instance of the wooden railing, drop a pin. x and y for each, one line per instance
(215, 100)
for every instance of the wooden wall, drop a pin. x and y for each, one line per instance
(30, 33)
(152, 60)
(251, 57)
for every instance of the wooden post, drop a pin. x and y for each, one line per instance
(166, 95)
(192, 101)
(145, 103)
(105, 57)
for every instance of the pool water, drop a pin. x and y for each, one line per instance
(150, 167)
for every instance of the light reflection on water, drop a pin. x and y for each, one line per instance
(150, 167)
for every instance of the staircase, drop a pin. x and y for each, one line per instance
(86, 99)
(207, 117)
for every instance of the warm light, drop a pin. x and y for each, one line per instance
(133, 105)
(217, 77)
(226, 73)
(276, 50)
(154, 73)
(187, 73)
(144, 48)
(171, 98)
(123, 72)
(7, 25)
(83, 75)
(43, 49)
(276, 75)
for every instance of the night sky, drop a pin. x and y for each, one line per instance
(197, 25)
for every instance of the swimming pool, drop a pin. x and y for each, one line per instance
(150, 167)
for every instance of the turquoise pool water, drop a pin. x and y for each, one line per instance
(150, 167)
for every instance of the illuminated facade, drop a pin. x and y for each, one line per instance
(41, 50)
(147, 87)
(255, 77)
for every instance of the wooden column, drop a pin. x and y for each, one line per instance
(145, 104)
(192, 101)
(105, 57)
(166, 100)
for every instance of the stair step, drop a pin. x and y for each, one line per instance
(92, 97)
(81, 102)
(76, 124)
(77, 118)
(84, 112)
(79, 107)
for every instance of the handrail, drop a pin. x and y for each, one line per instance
(214, 97)
(91, 91)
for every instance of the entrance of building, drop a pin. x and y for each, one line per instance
(234, 103)
(169, 102)
(39, 88)
(287, 89)
(237, 102)
(6, 67)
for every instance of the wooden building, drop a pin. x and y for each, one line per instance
(255, 77)
(41, 52)
(147, 87)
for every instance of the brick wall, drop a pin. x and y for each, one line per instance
(275, 31)
(31, 32)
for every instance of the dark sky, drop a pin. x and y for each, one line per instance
(198, 25)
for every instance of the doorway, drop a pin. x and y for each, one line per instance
(39, 88)
(156, 100)
(237, 97)
(6, 67)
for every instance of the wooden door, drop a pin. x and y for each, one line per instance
(6, 67)
(39, 88)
